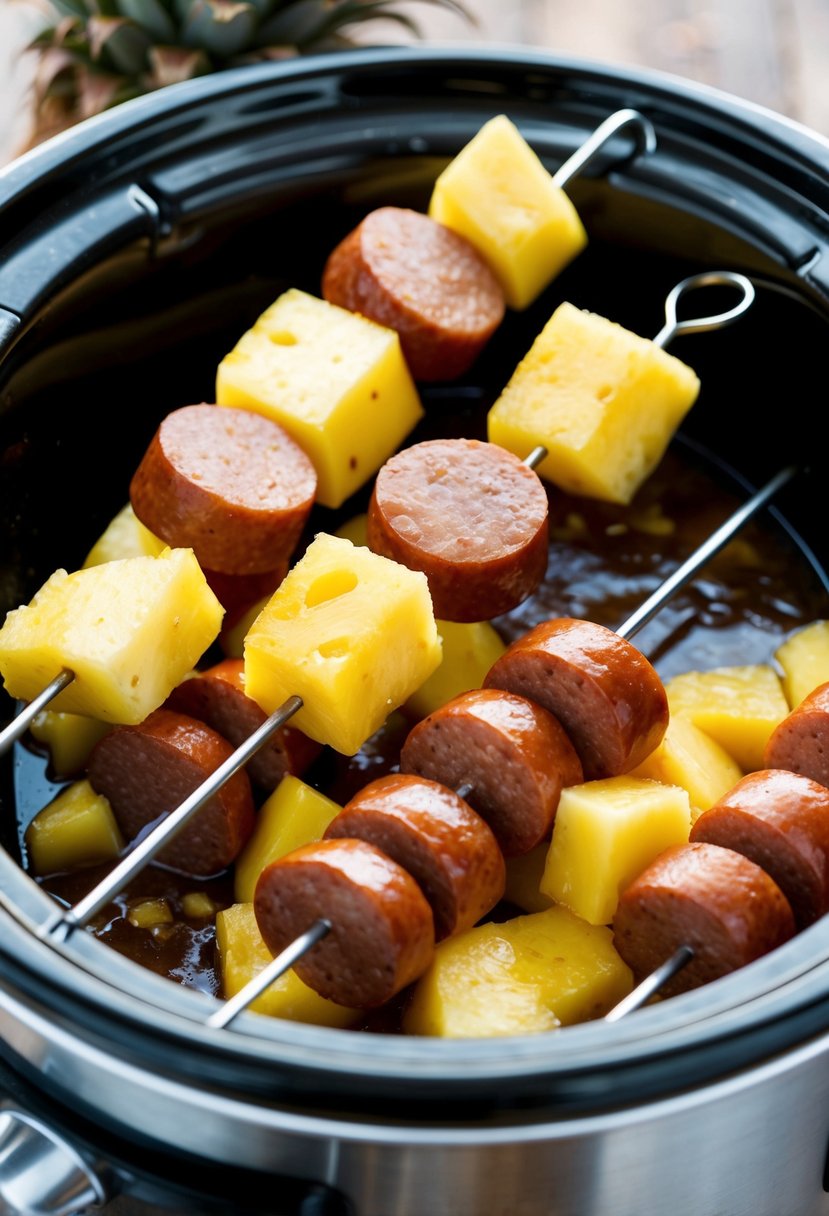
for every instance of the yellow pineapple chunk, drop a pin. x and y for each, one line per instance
(524, 876)
(69, 737)
(605, 834)
(469, 650)
(350, 632)
(295, 814)
(804, 658)
(497, 194)
(77, 829)
(197, 905)
(130, 630)
(693, 760)
(125, 536)
(337, 383)
(602, 401)
(232, 640)
(243, 954)
(355, 530)
(738, 707)
(149, 913)
(527, 975)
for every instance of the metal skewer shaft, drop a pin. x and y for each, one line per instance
(152, 844)
(651, 985)
(19, 725)
(715, 542)
(593, 145)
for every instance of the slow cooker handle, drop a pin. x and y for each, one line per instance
(40, 1173)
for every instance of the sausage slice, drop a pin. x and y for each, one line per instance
(780, 821)
(412, 274)
(470, 516)
(217, 697)
(432, 833)
(148, 770)
(801, 742)
(228, 484)
(513, 754)
(382, 936)
(728, 910)
(604, 691)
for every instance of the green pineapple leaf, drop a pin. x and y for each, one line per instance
(222, 27)
(152, 16)
(116, 43)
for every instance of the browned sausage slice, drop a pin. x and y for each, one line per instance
(148, 770)
(412, 274)
(514, 755)
(716, 901)
(217, 696)
(382, 935)
(603, 691)
(468, 514)
(228, 484)
(801, 742)
(780, 821)
(432, 833)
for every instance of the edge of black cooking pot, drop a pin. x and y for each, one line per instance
(776, 1003)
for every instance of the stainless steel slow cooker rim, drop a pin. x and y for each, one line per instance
(384, 1056)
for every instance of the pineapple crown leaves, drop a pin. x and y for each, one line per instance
(134, 38)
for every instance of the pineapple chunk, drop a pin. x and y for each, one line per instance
(130, 630)
(738, 707)
(232, 640)
(243, 954)
(804, 658)
(498, 195)
(468, 653)
(602, 401)
(149, 913)
(197, 905)
(337, 383)
(605, 834)
(693, 760)
(125, 536)
(355, 530)
(77, 829)
(350, 632)
(295, 814)
(524, 876)
(69, 737)
(527, 975)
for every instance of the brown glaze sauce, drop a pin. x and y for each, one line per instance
(604, 561)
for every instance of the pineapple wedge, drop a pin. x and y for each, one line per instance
(530, 974)
(337, 383)
(69, 737)
(605, 834)
(130, 630)
(693, 760)
(77, 829)
(243, 954)
(739, 707)
(124, 536)
(498, 195)
(804, 658)
(350, 632)
(469, 650)
(602, 401)
(295, 814)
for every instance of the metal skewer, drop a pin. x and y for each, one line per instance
(650, 985)
(592, 146)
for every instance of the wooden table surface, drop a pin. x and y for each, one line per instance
(773, 52)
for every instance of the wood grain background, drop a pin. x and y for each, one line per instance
(772, 52)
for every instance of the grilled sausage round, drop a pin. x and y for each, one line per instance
(801, 742)
(470, 516)
(604, 691)
(728, 910)
(382, 932)
(148, 770)
(514, 756)
(432, 833)
(217, 697)
(228, 484)
(780, 821)
(412, 274)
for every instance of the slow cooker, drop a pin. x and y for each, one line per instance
(135, 248)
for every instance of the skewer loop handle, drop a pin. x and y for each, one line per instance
(701, 325)
(592, 146)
